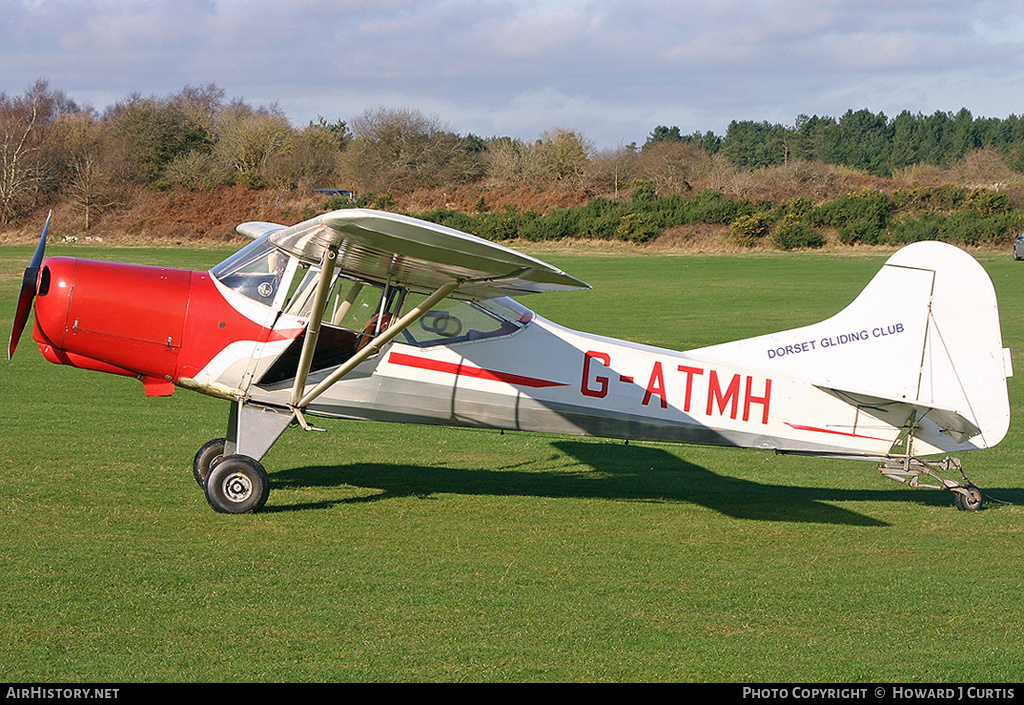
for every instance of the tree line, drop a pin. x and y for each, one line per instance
(52, 149)
(870, 142)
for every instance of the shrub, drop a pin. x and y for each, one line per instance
(985, 202)
(336, 203)
(946, 197)
(556, 225)
(600, 218)
(801, 207)
(961, 228)
(502, 225)
(383, 201)
(637, 227)
(929, 226)
(644, 192)
(865, 230)
(669, 210)
(748, 230)
(867, 205)
(710, 206)
(794, 232)
(966, 228)
(452, 219)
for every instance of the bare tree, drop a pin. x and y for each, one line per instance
(314, 157)
(84, 148)
(672, 166)
(25, 123)
(247, 139)
(614, 168)
(505, 162)
(403, 149)
(559, 157)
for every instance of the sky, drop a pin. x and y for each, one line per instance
(612, 70)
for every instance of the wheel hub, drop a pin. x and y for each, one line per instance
(237, 487)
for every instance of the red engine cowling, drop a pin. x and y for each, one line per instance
(120, 318)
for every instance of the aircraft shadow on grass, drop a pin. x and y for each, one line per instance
(605, 471)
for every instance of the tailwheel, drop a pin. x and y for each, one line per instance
(967, 498)
(208, 456)
(237, 485)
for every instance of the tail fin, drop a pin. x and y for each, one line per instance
(923, 335)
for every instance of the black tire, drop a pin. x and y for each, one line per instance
(971, 503)
(206, 458)
(237, 485)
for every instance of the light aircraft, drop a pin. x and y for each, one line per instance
(361, 314)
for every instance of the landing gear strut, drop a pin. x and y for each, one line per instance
(228, 469)
(966, 496)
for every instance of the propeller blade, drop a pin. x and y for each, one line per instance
(28, 290)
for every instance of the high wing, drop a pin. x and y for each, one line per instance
(414, 254)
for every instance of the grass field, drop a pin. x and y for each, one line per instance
(404, 553)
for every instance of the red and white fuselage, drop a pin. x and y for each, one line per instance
(847, 386)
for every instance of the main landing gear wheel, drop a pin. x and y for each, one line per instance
(208, 456)
(969, 502)
(237, 485)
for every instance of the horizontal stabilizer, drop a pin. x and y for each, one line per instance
(950, 422)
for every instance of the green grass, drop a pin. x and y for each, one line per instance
(406, 553)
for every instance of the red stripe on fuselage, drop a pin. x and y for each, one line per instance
(458, 369)
(834, 433)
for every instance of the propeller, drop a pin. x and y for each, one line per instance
(28, 290)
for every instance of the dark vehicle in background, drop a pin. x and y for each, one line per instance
(334, 193)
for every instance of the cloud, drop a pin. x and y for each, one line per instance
(611, 69)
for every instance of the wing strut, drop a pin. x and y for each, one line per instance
(377, 343)
(323, 288)
(343, 309)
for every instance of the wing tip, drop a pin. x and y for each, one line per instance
(256, 229)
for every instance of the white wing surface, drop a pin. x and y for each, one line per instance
(386, 247)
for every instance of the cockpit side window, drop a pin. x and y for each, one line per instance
(299, 301)
(351, 318)
(350, 303)
(455, 321)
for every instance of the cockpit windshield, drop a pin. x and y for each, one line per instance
(254, 271)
